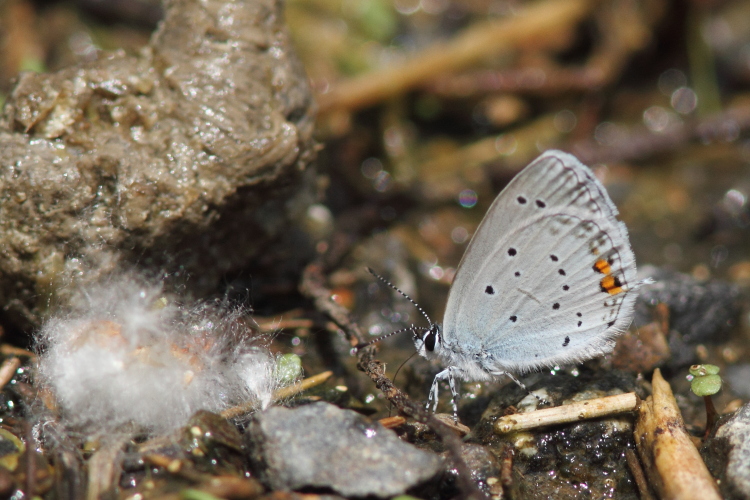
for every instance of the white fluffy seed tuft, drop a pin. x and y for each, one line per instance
(125, 354)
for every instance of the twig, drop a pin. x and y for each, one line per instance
(283, 393)
(392, 422)
(104, 466)
(506, 471)
(303, 385)
(534, 24)
(640, 477)
(670, 458)
(375, 370)
(574, 412)
(11, 350)
(7, 370)
(313, 286)
(217, 486)
(625, 28)
(30, 462)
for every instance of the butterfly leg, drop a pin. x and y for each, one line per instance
(521, 385)
(449, 375)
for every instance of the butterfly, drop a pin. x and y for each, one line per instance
(549, 278)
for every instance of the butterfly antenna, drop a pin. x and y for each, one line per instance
(422, 311)
(412, 328)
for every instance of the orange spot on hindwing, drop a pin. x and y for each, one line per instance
(602, 266)
(611, 285)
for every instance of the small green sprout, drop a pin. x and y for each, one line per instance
(288, 369)
(193, 494)
(705, 382)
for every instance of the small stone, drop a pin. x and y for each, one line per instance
(728, 455)
(322, 446)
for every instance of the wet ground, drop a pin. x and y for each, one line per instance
(418, 136)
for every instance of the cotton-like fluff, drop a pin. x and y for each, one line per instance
(125, 354)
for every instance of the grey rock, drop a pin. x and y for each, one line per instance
(189, 157)
(727, 455)
(322, 446)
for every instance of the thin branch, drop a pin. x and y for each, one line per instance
(313, 285)
(534, 24)
(671, 461)
(283, 393)
(565, 414)
(376, 371)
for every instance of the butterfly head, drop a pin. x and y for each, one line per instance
(429, 342)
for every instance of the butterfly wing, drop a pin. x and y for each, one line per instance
(548, 277)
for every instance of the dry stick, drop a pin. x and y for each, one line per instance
(670, 458)
(392, 422)
(506, 471)
(640, 477)
(104, 467)
(10, 350)
(303, 385)
(531, 25)
(313, 286)
(30, 462)
(283, 393)
(624, 27)
(375, 370)
(565, 414)
(7, 370)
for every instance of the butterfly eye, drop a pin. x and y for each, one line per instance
(429, 341)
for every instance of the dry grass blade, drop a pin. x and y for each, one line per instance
(670, 459)
(283, 393)
(532, 25)
(574, 412)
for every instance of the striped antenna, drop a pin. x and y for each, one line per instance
(402, 293)
(412, 328)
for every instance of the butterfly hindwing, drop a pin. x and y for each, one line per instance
(548, 274)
